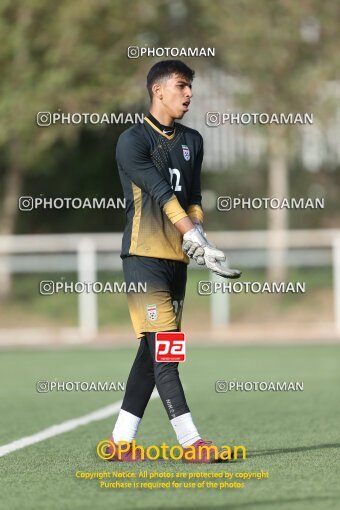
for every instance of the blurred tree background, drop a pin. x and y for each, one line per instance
(71, 57)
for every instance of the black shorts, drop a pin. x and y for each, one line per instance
(160, 308)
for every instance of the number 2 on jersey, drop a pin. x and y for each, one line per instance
(175, 175)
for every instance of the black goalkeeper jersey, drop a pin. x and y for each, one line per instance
(160, 176)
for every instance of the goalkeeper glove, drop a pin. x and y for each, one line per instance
(197, 247)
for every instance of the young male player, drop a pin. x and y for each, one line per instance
(159, 163)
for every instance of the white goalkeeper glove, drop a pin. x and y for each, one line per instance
(197, 247)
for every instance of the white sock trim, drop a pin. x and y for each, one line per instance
(185, 429)
(126, 427)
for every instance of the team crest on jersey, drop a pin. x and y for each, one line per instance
(186, 152)
(152, 312)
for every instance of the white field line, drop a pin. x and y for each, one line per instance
(66, 426)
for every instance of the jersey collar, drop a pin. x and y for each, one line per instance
(160, 131)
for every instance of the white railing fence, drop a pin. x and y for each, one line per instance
(89, 253)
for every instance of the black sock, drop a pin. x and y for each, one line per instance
(140, 383)
(168, 383)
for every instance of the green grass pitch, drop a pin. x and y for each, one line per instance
(295, 436)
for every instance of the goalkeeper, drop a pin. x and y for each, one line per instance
(159, 163)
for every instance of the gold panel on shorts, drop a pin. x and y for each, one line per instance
(153, 311)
